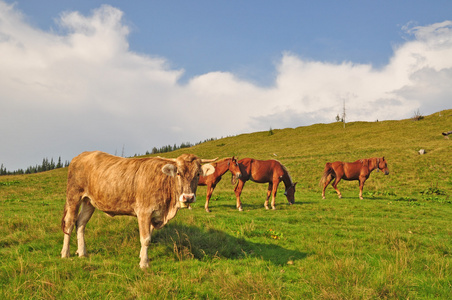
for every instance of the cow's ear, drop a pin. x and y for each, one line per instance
(207, 169)
(169, 170)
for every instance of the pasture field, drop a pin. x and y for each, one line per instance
(394, 244)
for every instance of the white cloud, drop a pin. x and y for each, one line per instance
(82, 88)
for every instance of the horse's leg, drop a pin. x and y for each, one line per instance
(336, 181)
(269, 192)
(210, 189)
(238, 190)
(361, 186)
(274, 190)
(327, 181)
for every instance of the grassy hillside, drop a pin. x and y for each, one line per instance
(305, 150)
(396, 243)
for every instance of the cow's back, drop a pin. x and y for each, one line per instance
(116, 185)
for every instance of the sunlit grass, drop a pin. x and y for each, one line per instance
(396, 243)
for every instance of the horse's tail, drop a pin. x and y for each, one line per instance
(328, 173)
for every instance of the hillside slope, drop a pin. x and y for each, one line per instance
(394, 244)
(305, 150)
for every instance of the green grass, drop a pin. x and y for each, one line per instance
(394, 244)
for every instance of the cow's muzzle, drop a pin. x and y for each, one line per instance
(186, 199)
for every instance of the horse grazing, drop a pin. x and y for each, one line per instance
(358, 170)
(221, 167)
(263, 171)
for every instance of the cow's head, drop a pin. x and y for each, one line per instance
(186, 169)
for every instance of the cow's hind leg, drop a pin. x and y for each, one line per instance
(67, 223)
(85, 214)
(145, 228)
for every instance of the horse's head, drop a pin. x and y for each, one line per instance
(233, 166)
(290, 193)
(382, 165)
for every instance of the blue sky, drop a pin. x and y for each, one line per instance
(248, 37)
(95, 75)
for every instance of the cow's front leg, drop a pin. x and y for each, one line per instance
(145, 228)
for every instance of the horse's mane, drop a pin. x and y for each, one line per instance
(221, 160)
(287, 172)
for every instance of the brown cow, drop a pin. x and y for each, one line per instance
(152, 189)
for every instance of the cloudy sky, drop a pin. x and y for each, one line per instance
(133, 75)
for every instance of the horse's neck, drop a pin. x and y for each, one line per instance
(222, 168)
(372, 164)
(286, 179)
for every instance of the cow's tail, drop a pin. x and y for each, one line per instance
(328, 174)
(63, 222)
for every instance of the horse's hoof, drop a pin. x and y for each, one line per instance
(240, 208)
(323, 197)
(266, 207)
(274, 208)
(207, 210)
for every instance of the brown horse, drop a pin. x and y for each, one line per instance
(263, 171)
(358, 170)
(212, 180)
